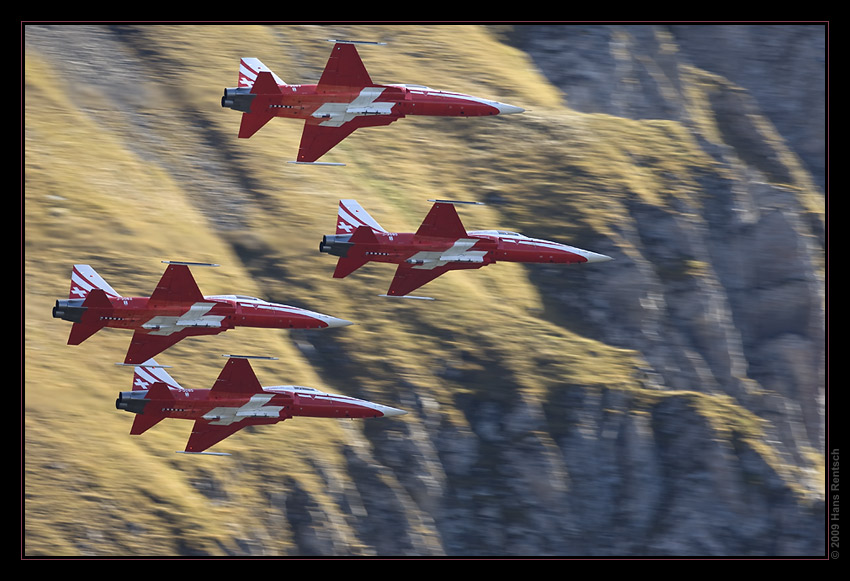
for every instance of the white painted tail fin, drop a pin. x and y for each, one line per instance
(149, 373)
(84, 279)
(351, 215)
(249, 68)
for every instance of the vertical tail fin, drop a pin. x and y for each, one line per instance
(149, 373)
(84, 279)
(351, 216)
(80, 332)
(249, 70)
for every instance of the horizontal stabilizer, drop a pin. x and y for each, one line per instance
(363, 235)
(81, 331)
(97, 299)
(143, 422)
(91, 322)
(260, 112)
(158, 392)
(346, 266)
(265, 84)
(253, 122)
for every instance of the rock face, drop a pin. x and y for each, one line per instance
(756, 310)
(717, 446)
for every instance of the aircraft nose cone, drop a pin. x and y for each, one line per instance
(505, 109)
(334, 322)
(388, 411)
(594, 257)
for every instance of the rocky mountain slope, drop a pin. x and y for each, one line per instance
(670, 402)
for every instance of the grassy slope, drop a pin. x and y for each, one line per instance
(90, 488)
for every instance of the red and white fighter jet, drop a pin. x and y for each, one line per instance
(345, 99)
(174, 311)
(235, 401)
(439, 245)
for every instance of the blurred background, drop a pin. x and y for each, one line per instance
(670, 402)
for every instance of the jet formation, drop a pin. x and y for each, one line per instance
(235, 401)
(344, 100)
(175, 310)
(439, 245)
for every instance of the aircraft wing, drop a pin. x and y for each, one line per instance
(318, 139)
(177, 285)
(237, 376)
(443, 222)
(344, 73)
(205, 434)
(344, 69)
(144, 346)
(407, 279)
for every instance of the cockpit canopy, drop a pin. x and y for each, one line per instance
(242, 298)
(413, 86)
(293, 388)
(500, 233)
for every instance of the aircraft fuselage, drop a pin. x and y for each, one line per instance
(176, 309)
(210, 315)
(391, 101)
(477, 248)
(272, 405)
(236, 400)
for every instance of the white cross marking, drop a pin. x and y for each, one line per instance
(195, 317)
(253, 408)
(459, 252)
(337, 114)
